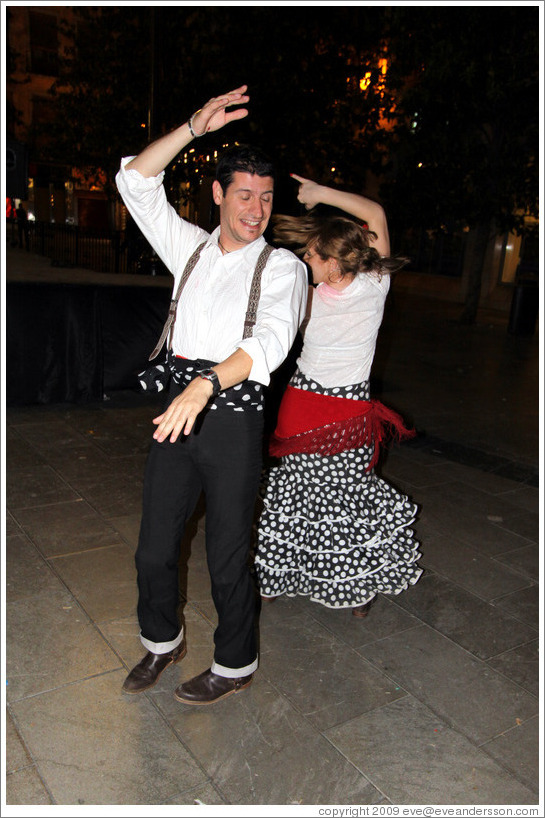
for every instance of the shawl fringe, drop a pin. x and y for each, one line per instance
(372, 425)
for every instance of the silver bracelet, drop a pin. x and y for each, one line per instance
(190, 126)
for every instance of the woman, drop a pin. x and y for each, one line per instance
(331, 529)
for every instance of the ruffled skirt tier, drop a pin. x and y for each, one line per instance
(335, 532)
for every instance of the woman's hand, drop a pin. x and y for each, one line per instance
(213, 115)
(182, 413)
(310, 193)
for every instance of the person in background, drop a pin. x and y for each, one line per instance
(22, 226)
(331, 529)
(209, 436)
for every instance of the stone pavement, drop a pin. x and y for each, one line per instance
(431, 700)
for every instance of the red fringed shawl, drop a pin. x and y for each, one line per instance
(322, 424)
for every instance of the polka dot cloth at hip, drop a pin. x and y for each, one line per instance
(331, 530)
(245, 396)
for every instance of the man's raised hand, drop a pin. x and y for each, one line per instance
(214, 115)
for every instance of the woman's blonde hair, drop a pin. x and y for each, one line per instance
(335, 237)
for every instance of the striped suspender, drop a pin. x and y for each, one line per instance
(174, 303)
(255, 291)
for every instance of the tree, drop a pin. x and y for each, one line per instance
(306, 106)
(463, 97)
(102, 92)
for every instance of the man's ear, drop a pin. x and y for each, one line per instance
(217, 192)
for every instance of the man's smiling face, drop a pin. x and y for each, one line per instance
(245, 208)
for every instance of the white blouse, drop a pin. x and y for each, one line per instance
(341, 335)
(212, 308)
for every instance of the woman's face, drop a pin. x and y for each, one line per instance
(321, 269)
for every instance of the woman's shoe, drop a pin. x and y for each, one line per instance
(269, 598)
(361, 611)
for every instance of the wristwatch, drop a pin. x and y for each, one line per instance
(211, 376)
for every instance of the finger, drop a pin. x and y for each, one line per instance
(166, 425)
(175, 433)
(185, 425)
(222, 104)
(300, 179)
(240, 90)
(240, 113)
(189, 425)
(239, 100)
(231, 98)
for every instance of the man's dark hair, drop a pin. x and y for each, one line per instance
(245, 159)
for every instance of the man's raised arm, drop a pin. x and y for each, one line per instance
(211, 117)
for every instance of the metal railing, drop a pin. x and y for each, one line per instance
(108, 251)
(104, 251)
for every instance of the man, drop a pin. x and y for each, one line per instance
(22, 225)
(209, 437)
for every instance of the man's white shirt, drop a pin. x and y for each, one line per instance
(211, 311)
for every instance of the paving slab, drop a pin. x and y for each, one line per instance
(37, 485)
(128, 526)
(461, 689)
(518, 751)
(384, 619)
(27, 573)
(26, 787)
(115, 489)
(484, 630)
(67, 527)
(19, 453)
(523, 605)
(17, 755)
(114, 750)
(524, 560)
(521, 665)
(102, 579)
(446, 768)
(525, 497)
(264, 752)
(206, 795)
(326, 680)
(474, 572)
(52, 643)
(484, 528)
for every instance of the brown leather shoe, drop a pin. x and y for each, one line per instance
(208, 687)
(146, 673)
(361, 611)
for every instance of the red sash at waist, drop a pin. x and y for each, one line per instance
(323, 424)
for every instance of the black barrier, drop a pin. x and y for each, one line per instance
(72, 343)
(524, 309)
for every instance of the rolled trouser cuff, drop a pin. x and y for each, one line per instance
(162, 647)
(234, 672)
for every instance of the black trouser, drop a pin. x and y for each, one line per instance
(222, 457)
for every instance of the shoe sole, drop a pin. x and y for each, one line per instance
(362, 614)
(148, 687)
(213, 701)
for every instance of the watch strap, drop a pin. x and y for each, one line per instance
(212, 376)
